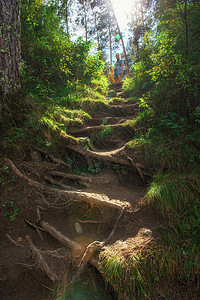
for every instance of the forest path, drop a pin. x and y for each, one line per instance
(63, 210)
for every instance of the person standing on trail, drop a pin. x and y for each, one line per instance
(118, 72)
(111, 75)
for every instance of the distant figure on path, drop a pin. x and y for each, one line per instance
(111, 75)
(118, 73)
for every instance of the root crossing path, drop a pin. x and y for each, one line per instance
(75, 215)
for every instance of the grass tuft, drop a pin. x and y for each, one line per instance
(173, 193)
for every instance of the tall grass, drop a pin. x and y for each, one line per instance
(173, 193)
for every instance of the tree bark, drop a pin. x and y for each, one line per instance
(10, 52)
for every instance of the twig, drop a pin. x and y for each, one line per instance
(114, 228)
(12, 241)
(89, 221)
(47, 287)
(26, 265)
(33, 225)
(53, 253)
(40, 260)
(138, 167)
(37, 228)
(38, 214)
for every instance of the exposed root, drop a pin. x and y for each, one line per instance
(81, 179)
(40, 261)
(12, 241)
(138, 167)
(37, 228)
(55, 182)
(89, 221)
(91, 248)
(91, 198)
(116, 156)
(98, 127)
(65, 241)
(53, 253)
(54, 159)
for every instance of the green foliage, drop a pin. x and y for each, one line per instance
(105, 131)
(133, 276)
(96, 168)
(51, 59)
(4, 170)
(173, 193)
(10, 211)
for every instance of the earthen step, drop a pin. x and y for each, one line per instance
(106, 120)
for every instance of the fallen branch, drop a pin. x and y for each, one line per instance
(40, 260)
(91, 198)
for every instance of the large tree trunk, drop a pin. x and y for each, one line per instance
(10, 52)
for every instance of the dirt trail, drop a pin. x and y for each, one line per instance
(81, 222)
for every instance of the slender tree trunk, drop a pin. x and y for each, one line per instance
(85, 21)
(10, 52)
(97, 31)
(110, 42)
(124, 50)
(142, 17)
(186, 27)
(67, 18)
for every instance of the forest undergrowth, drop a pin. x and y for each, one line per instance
(98, 175)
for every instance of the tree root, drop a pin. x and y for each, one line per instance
(65, 241)
(55, 182)
(110, 156)
(81, 179)
(91, 248)
(91, 198)
(87, 254)
(40, 261)
(12, 241)
(97, 127)
(138, 167)
(37, 228)
(54, 159)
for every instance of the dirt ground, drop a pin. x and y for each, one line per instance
(21, 277)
